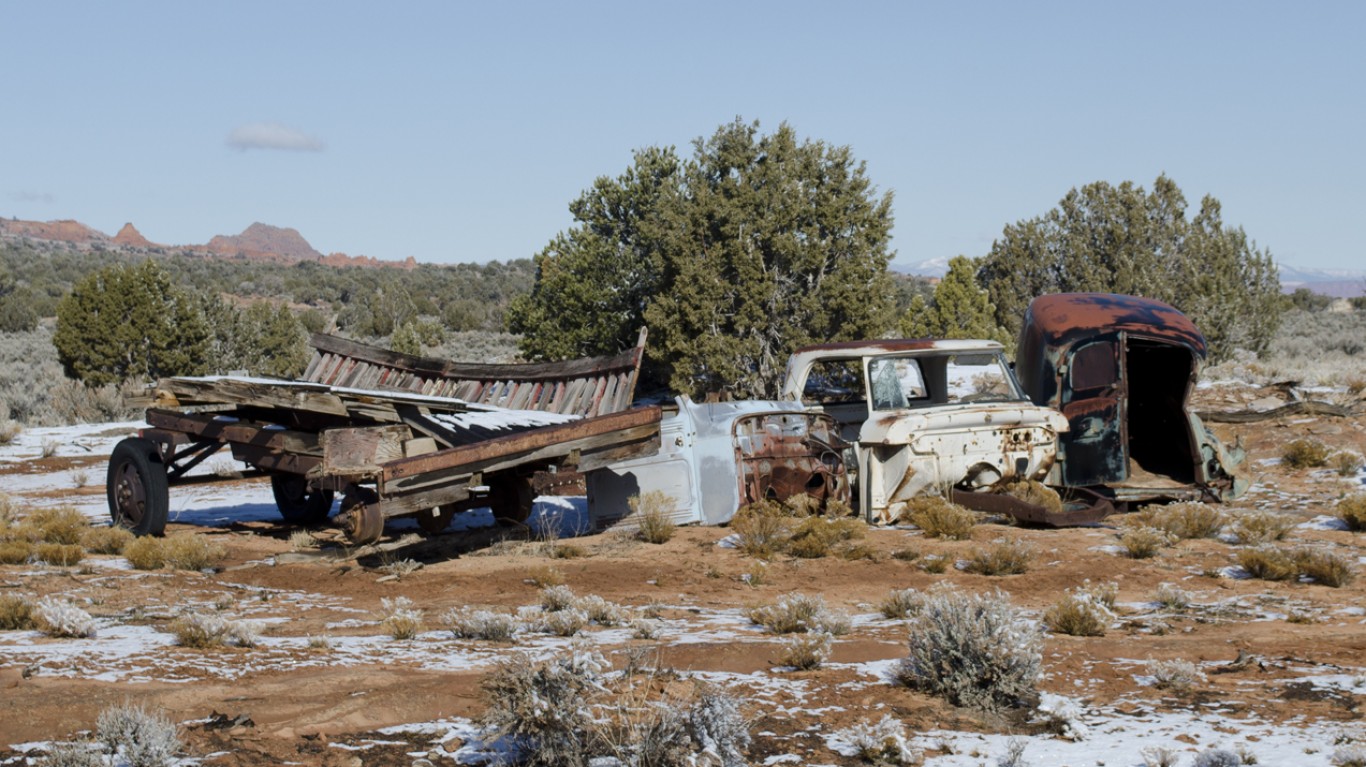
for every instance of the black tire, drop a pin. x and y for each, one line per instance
(136, 487)
(511, 499)
(298, 504)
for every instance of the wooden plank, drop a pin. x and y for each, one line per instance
(206, 426)
(429, 366)
(351, 451)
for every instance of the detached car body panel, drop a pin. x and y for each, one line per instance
(1121, 370)
(714, 458)
(925, 416)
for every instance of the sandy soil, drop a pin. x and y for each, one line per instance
(1303, 644)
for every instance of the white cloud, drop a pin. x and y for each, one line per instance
(30, 196)
(272, 136)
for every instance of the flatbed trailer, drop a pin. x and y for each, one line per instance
(383, 430)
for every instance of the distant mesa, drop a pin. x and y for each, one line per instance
(258, 242)
(131, 237)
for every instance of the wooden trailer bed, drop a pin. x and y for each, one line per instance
(379, 428)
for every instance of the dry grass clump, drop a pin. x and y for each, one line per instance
(975, 650)
(9, 511)
(488, 625)
(106, 540)
(1005, 556)
(545, 575)
(1143, 542)
(569, 711)
(764, 528)
(16, 613)
(146, 553)
(1178, 676)
(60, 618)
(817, 537)
(1345, 463)
(652, 513)
(1184, 520)
(939, 518)
(1269, 563)
(60, 554)
(9, 429)
(1037, 493)
(1172, 597)
(192, 552)
(15, 552)
(1083, 612)
(401, 620)
(794, 613)
(205, 630)
(806, 651)
(1352, 510)
(901, 603)
(62, 524)
(1305, 453)
(1325, 567)
(1261, 527)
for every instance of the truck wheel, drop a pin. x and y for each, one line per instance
(298, 504)
(136, 486)
(433, 521)
(362, 520)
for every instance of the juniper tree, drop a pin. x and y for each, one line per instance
(959, 308)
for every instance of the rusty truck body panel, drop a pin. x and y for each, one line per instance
(925, 417)
(1121, 370)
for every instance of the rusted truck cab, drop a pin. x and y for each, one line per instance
(1121, 370)
(925, 416)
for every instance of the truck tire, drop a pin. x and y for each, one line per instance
(298, 504)
(136, 487)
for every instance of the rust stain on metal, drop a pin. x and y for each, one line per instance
(783, 455)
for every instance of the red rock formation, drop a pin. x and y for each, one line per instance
(265, 241)
(131, 237)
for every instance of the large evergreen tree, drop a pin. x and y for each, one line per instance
(130, 322)
(754, 246)
(1126, 240)
(959, 308)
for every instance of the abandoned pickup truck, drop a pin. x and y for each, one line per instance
(925, 417)
(1121, 370)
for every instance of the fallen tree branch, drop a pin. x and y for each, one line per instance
(1294, 408)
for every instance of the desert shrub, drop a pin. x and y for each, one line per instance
(1006, 556)
(883, 742)
(146, 553)
(9, 429)
(939, 518)
(554, 598)
(1035, 492)
(1143, 542)
(645, 628)
(9, 510)
(545, 576)
(398, 567)
(199, 630)
(935, 563)
(192, 552)
(1079, 613)
(806, 651)
(469, 623)
(62, 524)
(1267, 562)
(564, 623)
(540, 706)
(1305, 453)
(652, 516)
(15, 552)
(975, 650)
(16, 613)
(401, 620)
(143, 738)
(1345, 463)
(1261, 527)
(1014, 755)
(900, 603)
(1351, 755)
(763, 528)
(601, 611)
(1178, 676)
(106, 540)
(60, 554)
(59, 618)
(565, 551)
(1352, 510)
(794, 613)
(1219, 757)
(1325, 567)
(1159, 756)
(243, 633)
(1172, 597)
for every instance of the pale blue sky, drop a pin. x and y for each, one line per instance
(460, 132)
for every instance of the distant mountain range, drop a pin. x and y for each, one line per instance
(258, 242)
(1339, 283)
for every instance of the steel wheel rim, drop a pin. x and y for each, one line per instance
(130, 495)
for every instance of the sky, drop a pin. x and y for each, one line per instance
(453, 131)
